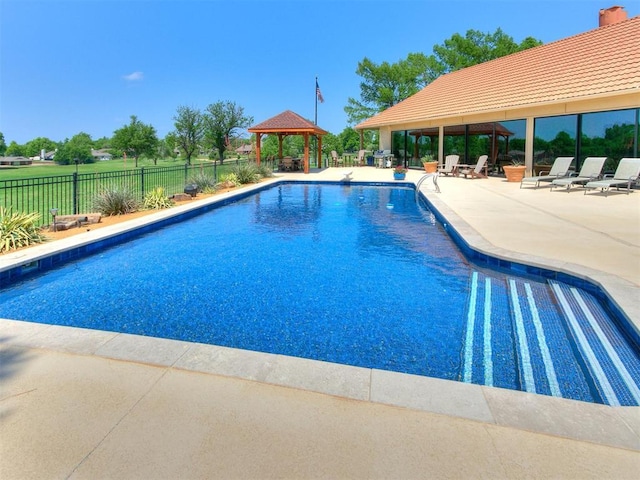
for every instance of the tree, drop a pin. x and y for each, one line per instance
(35, 146)
(136, 139)
(189, 130)
(221, 121)
(14, 150)
(386, 84)
(3, 145)
(78, 148)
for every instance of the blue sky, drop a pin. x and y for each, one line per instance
(86, 66)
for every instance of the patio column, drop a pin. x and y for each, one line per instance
(528, 146)
(319, 159)
(441, 145)
(306, 153)
(258, 135)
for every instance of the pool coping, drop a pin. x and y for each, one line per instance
(596, 423)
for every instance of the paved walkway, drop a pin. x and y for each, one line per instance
(78, 403)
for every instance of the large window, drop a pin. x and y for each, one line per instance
(612, 134)
(609, 134)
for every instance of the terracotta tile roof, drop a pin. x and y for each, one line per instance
(287, 121)
(604, 61)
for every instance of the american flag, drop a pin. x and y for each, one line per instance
(319, 93)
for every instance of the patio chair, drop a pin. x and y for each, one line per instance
(287, 164)
(337, 161)
(359, 160)
(559, 169)
(626, 174)
(476, 172)
(591, 170)
(450, 165)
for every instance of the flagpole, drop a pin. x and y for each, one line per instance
(315, 93)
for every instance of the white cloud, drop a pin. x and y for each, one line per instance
(134, 77)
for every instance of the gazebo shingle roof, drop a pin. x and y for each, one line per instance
(287, 122)
(603, 61)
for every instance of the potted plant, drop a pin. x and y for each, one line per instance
(514, 172)
(430, 165)
(399, 172)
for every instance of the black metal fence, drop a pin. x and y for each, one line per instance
(73, 194)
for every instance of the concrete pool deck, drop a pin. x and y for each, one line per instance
(79, 403)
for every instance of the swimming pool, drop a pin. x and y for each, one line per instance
(353, 274)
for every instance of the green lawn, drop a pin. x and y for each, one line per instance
(48, 169)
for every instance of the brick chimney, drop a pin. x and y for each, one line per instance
(612, 15)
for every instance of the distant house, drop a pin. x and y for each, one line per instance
(101, 154)
(15, 161)
(49, 155)
(244, 149)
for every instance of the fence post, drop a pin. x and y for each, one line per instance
(186, 174)
(75, 193)
(142, 180)
(215, 170)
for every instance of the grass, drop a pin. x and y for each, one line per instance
(47, 169)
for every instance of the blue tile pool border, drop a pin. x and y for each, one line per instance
(12, 274)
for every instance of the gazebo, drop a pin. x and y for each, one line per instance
(289, 123)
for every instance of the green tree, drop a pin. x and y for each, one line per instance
(189, 130)
(15, 150)
(384, 85)
(3, 145)
(102, 143)
(350, 140)
(136, 139)
(77, 148)
(221, 121)
(35, 146)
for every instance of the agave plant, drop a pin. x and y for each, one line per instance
(247, 173)
(156, 200)
(116, 200)
(206, 183)
(19, 230)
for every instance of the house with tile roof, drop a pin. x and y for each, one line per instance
(579, 96)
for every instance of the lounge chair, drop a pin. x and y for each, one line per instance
(559, 169)
(591, 170)
(359, 160)
(626, 174)
(476, 172)
(450, 165)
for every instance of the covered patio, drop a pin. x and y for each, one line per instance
(289, 123)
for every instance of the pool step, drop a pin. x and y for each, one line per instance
(612, 363)
(518, 336)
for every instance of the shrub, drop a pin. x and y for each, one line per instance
(247, 173)
(115, 200)
(19, 230)
(156, 200)
(206, 183)
(265, 171)
(229, 180)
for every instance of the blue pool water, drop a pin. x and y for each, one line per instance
(354, 274)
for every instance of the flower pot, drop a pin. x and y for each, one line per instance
(430, 167)
(514, 173)
(399, 176)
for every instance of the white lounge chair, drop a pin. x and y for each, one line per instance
(450, 165)
(560, 168)
(476, 172)
(590, 170)
(627, 173)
